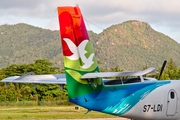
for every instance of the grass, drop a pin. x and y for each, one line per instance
(42, 113)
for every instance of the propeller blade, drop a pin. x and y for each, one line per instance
(162, 69)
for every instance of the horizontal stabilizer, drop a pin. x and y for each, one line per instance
(29, 78)
(150, 70)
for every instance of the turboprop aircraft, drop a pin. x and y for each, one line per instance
(137, 98)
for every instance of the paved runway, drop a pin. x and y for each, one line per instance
(118, 118)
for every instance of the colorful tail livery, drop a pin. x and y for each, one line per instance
(79, 57)
(137, 98)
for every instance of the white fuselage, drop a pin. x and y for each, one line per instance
(161, 104)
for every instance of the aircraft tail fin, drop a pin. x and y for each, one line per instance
(78, 54)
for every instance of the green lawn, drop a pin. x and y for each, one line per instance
(42, 113)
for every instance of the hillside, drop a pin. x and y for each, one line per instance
(130, 45)
(134, 44)
(23, 43)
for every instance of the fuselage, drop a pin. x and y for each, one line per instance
(161, 104)
(152, 100)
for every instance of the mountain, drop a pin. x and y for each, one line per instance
(22, 43)
(131, 45)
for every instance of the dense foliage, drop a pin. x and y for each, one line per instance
(27, 92)
(130, 45)
(48, 92)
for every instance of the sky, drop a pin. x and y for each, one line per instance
(162, 15)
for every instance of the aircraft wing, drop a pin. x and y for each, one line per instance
(150, 70)
(31, 78)
(61, 78)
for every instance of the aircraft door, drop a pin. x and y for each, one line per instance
(172, 102)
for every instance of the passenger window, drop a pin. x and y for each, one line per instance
(172, 95)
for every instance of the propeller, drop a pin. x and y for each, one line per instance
(162, 69)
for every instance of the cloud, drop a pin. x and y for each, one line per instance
(14, 4)
(161, 14)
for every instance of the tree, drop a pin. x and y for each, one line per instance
(48, 91)
(171, 71)
(26, 91)
(8, 94)
(43, 66)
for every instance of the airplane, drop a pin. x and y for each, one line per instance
(137, 97)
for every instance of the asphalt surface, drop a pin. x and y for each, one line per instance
(118, 118)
